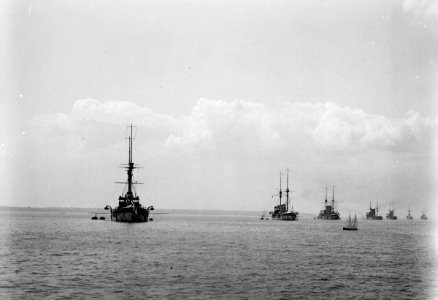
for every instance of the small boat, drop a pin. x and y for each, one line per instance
(102, 218)
(263, 216)
(351, 223)
(94, 218)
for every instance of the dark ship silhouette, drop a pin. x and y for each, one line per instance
(391, 214)
(329, 213)
(129, 209)
(373, 214)
(281, 211)
(423, 215)
(409, 217)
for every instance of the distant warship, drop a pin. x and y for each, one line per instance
(391, 214)
(281, 211)
(423, 215)
(409, 217)
(129, 209)
(373, 214)
(329, 213)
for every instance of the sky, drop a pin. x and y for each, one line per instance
(224, 95)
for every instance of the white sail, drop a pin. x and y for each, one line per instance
(349, 221)
(355, 221)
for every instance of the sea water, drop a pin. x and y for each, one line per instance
(210, 255)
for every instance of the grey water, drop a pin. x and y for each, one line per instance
(185, 255)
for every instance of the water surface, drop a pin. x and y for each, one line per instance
(182, 255)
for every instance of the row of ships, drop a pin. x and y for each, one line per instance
(282, 212)
(130, 210)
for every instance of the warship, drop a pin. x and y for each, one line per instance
(423, 215)
(391, 214)
(329, 213)
(281, 211)
(409, 217)
(129, 208)
(373, 214)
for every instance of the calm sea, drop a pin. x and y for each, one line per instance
(185, 255)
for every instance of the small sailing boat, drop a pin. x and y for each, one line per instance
(263, 215)
(94, 218)
(351, 223)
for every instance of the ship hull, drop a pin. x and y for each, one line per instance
(285, 217)
(329, 217)
(349, 228)
(129, 216)
(375, 218)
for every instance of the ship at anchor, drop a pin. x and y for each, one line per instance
(391, 214)
(281, 211)
(329, 213)
(129, 209)
(373, 214)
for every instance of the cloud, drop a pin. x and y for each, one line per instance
(251, 127)
(119, 112)
(243, 128)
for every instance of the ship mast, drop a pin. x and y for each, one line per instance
(333, 200)
(280, 193)
(287, 191)
(130, 168)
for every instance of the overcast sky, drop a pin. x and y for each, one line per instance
(225, 95)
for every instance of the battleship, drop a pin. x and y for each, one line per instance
(409, 217)
(373, 214)
(329, 213)
(391, 214)
(129, 208)
(281, 211)
(423, 215)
